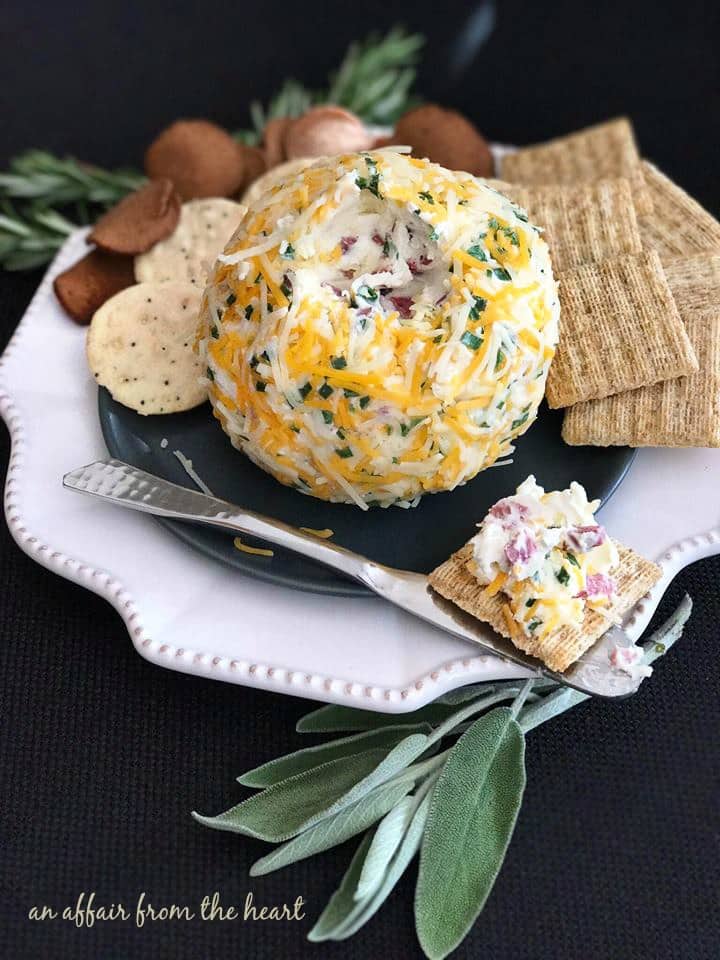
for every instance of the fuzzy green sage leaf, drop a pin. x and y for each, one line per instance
(472, 817)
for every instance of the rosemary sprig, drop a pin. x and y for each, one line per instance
(31, 228)
(39, 176)
(395, 781)
(30, 239)
(373, 80)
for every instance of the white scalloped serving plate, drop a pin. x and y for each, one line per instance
(189, 613)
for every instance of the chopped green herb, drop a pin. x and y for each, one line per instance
(364, 401)
(286, 287)
(327, 416)
(519, 422)
(305, 389)
(260, 386)
(477, 252)
(493, 224)
(258, 278)
(294, 428)
(533, 625)
(438, 338)
(288, 253)
(325, 390)
(248, 311)
(214, 332)
(434, 236)
(350, 393)
(344, 452)
(338, 363)
(501, 273)
(572, 558)
(470, 340)
(531, 602)
(388, 429)
(477, 308)
(231, 299)
(499, 360)
(254, 362)
(427, 197)
(563, 576)
(210, 374)
(368, 293)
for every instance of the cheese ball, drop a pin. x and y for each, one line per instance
(379, 328)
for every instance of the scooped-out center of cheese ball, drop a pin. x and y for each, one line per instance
(378, 328)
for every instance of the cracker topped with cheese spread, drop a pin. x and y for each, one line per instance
(544, 573)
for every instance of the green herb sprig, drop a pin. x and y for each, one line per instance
(32, 229)
(391, 778)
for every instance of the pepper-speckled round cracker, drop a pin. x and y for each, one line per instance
(204, 228)
(140, 346)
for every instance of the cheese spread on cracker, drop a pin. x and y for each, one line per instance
(547, 554)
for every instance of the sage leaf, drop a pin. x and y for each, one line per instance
(288, 807)
(385, 842)
(366, 909)
(341, 903)
(396, 760)
(283, 767)
(472, 817)
(334, 830)
(337, 719)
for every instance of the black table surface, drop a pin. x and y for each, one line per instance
(103, 755)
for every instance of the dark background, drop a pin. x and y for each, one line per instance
(102, 755)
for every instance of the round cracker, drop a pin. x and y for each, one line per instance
(275, 175)
(205, 226)
(141, 346)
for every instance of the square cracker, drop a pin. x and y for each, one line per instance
(678, 225)
(676, 413)
(596, 153)
(634, 577)
(583, 223)
(619, 329)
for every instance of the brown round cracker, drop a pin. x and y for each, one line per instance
(445, 137)
(254, 165)
(141, 346)
(201, 159)
(272, 140)
(140, 220)
(324, 131)
(84, 287)
(204, 228)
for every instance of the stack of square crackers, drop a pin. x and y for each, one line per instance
(638, 265)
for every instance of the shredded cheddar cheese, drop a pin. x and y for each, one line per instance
(379, 328)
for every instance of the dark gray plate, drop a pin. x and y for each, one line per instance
(416, 539)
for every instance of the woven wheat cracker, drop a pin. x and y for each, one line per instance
(675, 413)
(619, 329)
(607, 150)
(633, 577)
(583, 223)
(678, 225)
